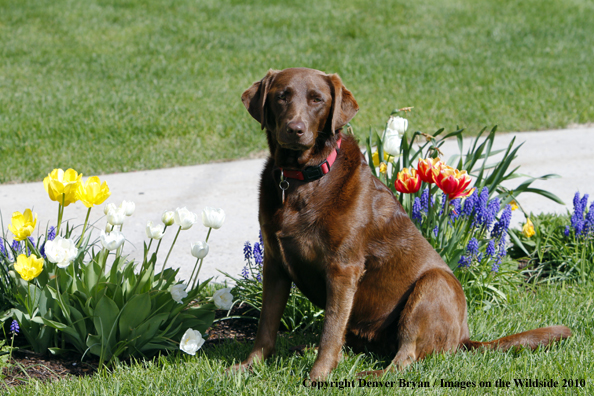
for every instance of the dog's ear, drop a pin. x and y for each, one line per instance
(344, 105)
(254, 98)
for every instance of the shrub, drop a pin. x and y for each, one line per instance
(558, 247)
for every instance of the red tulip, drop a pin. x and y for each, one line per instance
(429, 169)
(453, 182)
(407, 182)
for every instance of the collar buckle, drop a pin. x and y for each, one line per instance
(314, 172)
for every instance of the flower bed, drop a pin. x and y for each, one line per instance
(71, 291)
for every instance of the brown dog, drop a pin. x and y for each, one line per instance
(342, 237)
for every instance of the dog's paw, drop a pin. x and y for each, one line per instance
(237, 368)
(319, 372)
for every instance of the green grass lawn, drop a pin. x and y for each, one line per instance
(111, 86)
(283, 375)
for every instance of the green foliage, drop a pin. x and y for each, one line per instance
(550, 254)
(300, 313)
(164, 77)
(112, 313)
(97, 301)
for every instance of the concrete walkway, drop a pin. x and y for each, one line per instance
(233, 186)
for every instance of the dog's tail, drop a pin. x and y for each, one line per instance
(528, 339)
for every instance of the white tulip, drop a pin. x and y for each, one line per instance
(184, 218)
(128, 207)
(223, 298)
(398, 124)
(213, 218)
(113, 240)
(393, 135)
(392, 145)
(108, 207)
(199, 249)
(154, 231)
(167, 218)
(61, 251)
(191, 341)
(178, 292)
(116, 216)
(108, 228)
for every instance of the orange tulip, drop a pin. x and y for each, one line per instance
(429, 169)
(408, 182)
(453, 182)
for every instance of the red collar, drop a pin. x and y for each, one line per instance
(314, 172)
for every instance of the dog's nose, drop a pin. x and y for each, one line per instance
(296, 127)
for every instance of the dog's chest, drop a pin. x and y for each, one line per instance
(303, 253)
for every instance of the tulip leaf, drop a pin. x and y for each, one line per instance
(105, 318)
(60, 326)
(136, 310)
(146, 331)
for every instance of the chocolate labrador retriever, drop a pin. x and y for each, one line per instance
(340, 235)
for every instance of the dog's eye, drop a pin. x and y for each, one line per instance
(282, 96)
(317, 100)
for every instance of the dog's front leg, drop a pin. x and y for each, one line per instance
(276, 287)
(341, 286)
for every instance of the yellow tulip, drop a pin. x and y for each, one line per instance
(383, 168)
(23, 224)
(62, 185)
(528, 229)
(375, 157)
(92, 192)
(28, 267)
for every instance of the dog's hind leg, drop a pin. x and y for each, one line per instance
(433, 319)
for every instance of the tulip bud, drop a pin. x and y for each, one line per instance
(167, 218)
(128, 207)
(199, 250)
(407, 181)
(178, 292)
(393, 135)
(108, 207)
(213, 218)
(398, 124)
(154, 231)
(116, 216)
(184, 218)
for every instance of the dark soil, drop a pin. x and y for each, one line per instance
(26, 365)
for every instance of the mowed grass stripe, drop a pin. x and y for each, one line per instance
(111, 86)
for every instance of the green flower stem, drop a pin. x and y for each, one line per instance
(60, 214)
(147, 250)
(31, 247)
(170, 249)
(121, 248)
(160, 240)
(201, 261)
(84, 228)
(194, 270)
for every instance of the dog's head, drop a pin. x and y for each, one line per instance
(296, 105)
